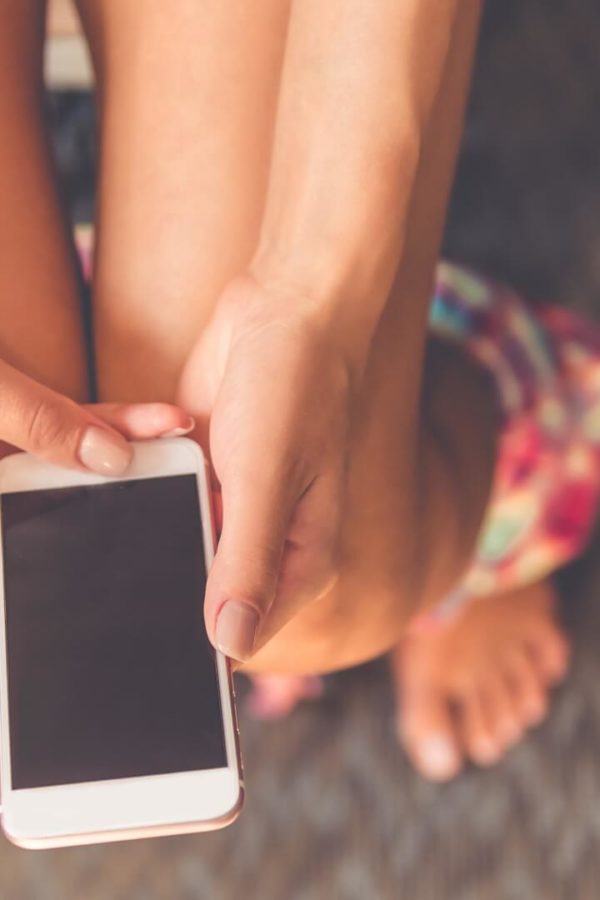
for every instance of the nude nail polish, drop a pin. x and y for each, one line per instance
(236, 629)
(103, 453)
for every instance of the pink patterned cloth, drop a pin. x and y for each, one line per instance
(545, 363)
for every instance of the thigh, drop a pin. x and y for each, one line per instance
(187, 96)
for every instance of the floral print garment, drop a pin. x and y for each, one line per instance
(545, 363)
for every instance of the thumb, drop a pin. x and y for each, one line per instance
(47, 424)
(243, 579)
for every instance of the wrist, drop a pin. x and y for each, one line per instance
(344, 295)
(341, 257)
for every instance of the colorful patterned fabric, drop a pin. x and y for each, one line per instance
(545, 363)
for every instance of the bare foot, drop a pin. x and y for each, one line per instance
(471, 687)
(274, 696)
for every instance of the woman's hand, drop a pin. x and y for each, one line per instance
(346, 509)
(276, 384)
(280, 367)
(94, 437)
(343, 512)
(316, 484)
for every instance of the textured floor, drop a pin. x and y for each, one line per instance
(334, 811)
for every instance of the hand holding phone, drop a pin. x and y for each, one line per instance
(83, 436)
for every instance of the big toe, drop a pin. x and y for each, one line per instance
(426, 729)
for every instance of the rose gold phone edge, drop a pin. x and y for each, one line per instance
(160, 830)
(129, 834)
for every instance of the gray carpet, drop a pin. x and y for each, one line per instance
(334, 811)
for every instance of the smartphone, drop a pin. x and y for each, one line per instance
(117, 715)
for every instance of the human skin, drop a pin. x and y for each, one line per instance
(189, 304)
(468, 690)
(43, 367)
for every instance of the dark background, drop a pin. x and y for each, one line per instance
(334, 809)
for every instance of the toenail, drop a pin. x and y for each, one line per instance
(438, 757)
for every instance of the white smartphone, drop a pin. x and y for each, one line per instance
(118, 717)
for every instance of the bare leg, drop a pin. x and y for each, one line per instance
(187, 124)
(188, 101)
(185, 151)
(40, 325)
(41, 331)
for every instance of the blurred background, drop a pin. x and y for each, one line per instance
(334, 809)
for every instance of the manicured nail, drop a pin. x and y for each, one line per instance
(236, 630)
(183, 429)
(103, 453)
(438, 757)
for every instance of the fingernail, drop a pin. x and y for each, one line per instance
(438, 757)
(236, 630)
(183, 429)
(103, 453)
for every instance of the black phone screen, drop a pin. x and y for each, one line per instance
(110, 671)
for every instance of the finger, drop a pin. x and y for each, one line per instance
(243, 578)
(141, 421)
(47, 424)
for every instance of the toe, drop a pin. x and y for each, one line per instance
(427, 731)
(502, 718)
(550, 652)
(479, 739)
(529, 693)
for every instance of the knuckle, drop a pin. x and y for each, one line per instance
(250, 576)
(44, 426)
